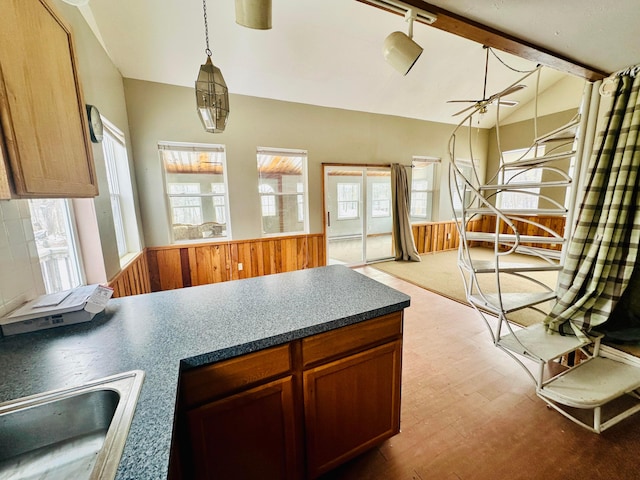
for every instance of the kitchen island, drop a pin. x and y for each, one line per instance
(168, 334)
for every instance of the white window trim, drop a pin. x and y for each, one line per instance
(424, 161)
(127, 228)
(305, 181)
(195, 147)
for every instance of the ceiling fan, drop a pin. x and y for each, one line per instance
(482, 104)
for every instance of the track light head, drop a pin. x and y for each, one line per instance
(254, 14)
(401, 52)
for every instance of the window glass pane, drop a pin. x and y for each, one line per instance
(282, 185)
(196, 188)
(466, 169)
(381, 200)
(120, 190)
(422, 188)
(348, 200)
(515, 200)
(55, 241)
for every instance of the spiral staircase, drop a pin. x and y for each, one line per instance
(572, 374)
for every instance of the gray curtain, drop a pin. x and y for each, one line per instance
(405, 247)
(603, 250)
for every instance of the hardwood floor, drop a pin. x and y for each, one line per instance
(470, 412)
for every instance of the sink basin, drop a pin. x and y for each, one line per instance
(76, 433)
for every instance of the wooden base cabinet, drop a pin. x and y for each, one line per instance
(292, 411)
(351, 405)
(228, 446)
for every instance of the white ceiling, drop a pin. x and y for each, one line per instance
(329, 52)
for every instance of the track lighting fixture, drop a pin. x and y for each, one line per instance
(254, 14)
(400, 51)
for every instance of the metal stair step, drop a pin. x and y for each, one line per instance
(539, 251)
(510, 302)
(565, 132)
(536, 341)
(531, 162)
(511, 238)
(517, 211)
(520, 186)
(592, 383)
(511, 267)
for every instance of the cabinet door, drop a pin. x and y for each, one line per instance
(350, 405)
(42, 111)
(249, 435)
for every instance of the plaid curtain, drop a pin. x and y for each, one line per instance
(603, 250)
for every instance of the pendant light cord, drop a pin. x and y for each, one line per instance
(206, 27)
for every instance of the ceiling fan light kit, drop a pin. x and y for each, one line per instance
(254, 14)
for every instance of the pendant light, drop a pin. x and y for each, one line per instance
(212, 94)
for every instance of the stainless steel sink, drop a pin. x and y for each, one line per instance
(75, 433)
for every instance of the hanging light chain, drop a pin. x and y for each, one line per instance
(206, 27)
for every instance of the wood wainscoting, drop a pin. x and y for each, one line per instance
(438, 236)
(527, 225)
(178, 266)
(185, 265)
(133, 279)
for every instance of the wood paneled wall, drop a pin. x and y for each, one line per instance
(438, 236)
(133, 279)
(555, 223)
(178, 266)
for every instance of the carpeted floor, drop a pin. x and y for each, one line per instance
(439, 273)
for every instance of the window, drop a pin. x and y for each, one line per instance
(282, 186)
(185, 207)
(381, 199)
(348, 201)
(55, 237)
(196, 188)
(466, 168)
(422, 187)
(120, 190)
(516, 200)
(268, 200)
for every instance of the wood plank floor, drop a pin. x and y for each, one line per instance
(470, 412)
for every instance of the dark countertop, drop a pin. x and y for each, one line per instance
(163, 333)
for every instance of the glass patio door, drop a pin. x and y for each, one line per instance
(357, 214)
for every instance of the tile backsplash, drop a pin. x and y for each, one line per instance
(20, 274)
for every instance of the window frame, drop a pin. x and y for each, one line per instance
(357, 201)
(267, 191)
(424, 162)
(73, 247)
(121, 193)
(520, 201)
(196, 148)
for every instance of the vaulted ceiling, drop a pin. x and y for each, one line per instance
(329, 52)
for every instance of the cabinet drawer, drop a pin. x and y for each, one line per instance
(222, 378)
(351, 339)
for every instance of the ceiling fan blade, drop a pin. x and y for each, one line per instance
(511, 90)
(463, 101)
(465, 110)
(508, 103)
(507, 91)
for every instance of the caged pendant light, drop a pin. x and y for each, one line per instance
(212, 94)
